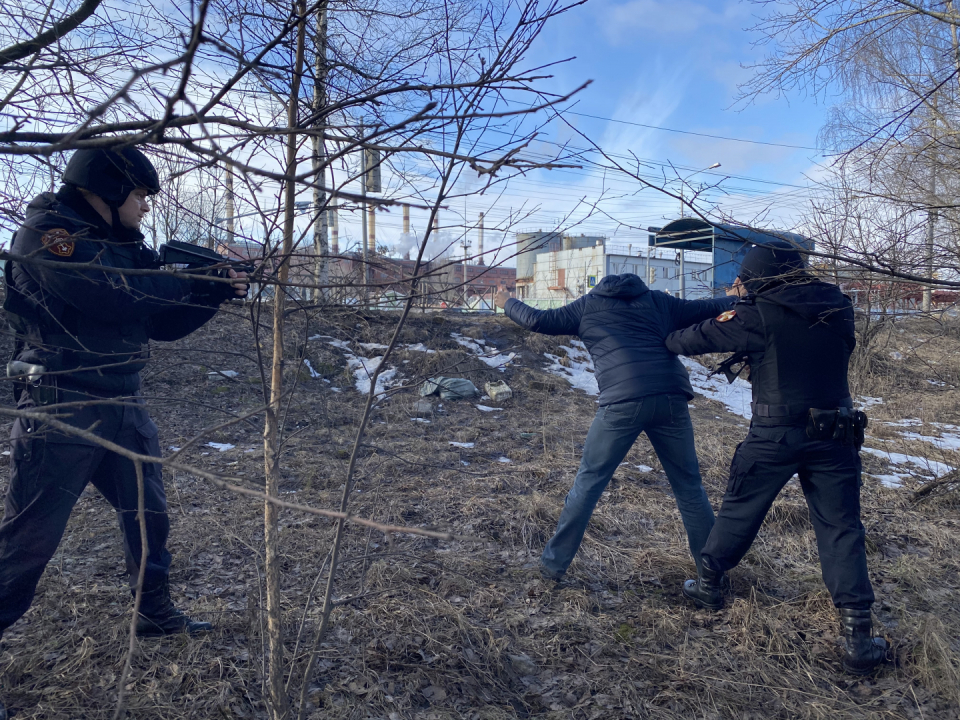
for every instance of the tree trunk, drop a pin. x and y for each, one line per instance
(275, 672)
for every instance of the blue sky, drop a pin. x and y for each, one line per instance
(672, 64)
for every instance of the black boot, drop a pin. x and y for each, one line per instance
(862, 651)
(706, 591)
(3, 711)
(158, 616)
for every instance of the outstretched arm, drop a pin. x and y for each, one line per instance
(88, 288)
(738, 329)
(690, 312)
(559, 321)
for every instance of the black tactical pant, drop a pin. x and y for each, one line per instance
(829, 474)
(49, 470)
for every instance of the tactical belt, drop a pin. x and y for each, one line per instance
(780, 411)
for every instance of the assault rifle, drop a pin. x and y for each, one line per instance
(175, 252)
(727, 366)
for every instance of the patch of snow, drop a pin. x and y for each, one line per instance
(342, 344)
(735, 396)
(484, 408)
(420, 347)
(947, 442)
(504, 459)
(890, 481)
(313, 373)
(488, 356)
(174, 448)
(866, 401)
(222, 447)
(421, 420)
(580, 374)
(928, 467)
(644, 468)
(224, 373)
(373, 346)
(894, 355)
(938, 383)
(318, 337)
(906, 422)
(464, 463)
(461, 445)
(250, 450)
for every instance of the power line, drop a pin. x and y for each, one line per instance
(690, 132)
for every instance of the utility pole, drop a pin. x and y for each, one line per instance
(363, 216)
(321, 249)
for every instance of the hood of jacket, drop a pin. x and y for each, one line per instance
(625, 287)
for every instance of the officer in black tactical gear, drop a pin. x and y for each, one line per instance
(82, 334)
(797, 334)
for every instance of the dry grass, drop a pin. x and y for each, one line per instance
(466, 629)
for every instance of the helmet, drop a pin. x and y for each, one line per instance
(112, 173)
(771, 263)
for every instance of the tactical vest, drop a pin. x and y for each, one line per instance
(804, 362)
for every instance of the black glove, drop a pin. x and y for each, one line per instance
(207, 292)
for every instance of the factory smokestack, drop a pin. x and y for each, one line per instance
(480, 241)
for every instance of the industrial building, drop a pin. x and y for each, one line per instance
(553, 269)
(688, 258)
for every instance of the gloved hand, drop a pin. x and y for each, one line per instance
(207, 292)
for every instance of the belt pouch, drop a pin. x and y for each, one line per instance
(821, 424)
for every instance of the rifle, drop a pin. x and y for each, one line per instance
(726, 367)
(175, 252)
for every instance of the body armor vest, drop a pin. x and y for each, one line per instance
(806, 354)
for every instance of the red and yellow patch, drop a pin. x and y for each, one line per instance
(726, 315)
(57, 241)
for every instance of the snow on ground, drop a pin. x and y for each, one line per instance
(949, 438)
(925, 466)
(735, 396)
(222, 447)
(487, 408)
(581, 373)
(363, 368)
(465, 445)
(488, 355)
(313, 373)
(947, 441)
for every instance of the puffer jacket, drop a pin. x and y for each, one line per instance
(624, 324)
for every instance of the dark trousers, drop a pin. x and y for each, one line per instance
(666, 421)
(829, 474)
(49, 470)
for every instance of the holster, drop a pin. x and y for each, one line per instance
(33, 378)
(843, 424)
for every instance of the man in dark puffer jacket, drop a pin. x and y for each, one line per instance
(643, 388)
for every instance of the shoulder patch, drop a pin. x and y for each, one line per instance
(58, 242)
(726, 315)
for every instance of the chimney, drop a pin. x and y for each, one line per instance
(371, 229)
(334, 232)
(480, 242)
(406, 219)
